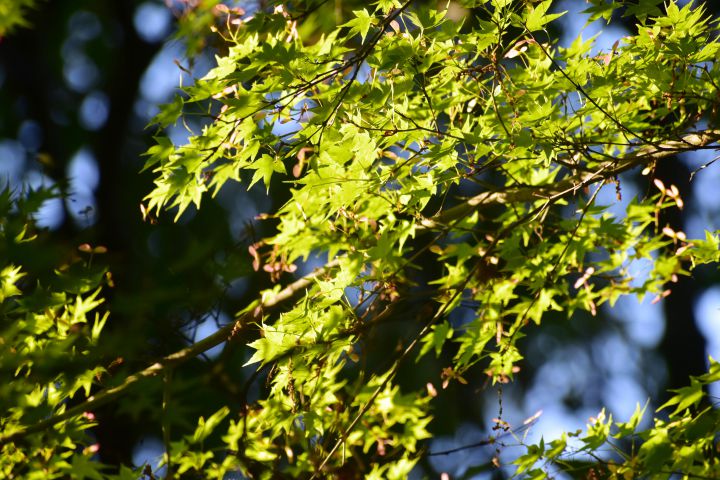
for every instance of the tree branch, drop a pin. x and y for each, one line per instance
(519, 194)
(574, 183)
(242, 322)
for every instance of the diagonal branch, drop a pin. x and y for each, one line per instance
(223, 334)
(558, 189)
(574, 183)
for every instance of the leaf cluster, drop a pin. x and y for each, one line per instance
(433, 164)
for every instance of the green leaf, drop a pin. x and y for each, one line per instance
(206, 427)
(628, 428)
(436, 339)
(644, 9)
(169, 114)
(685, 397)
(13, 14)
(557, 447)
(601, 9)
(83, 467)
(656, 450)
(537, 18)
(361, 23)
(528, 460)
(264, 168)
(598, 431)
(9, 276)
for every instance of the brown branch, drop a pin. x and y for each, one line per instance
(241, 323)
(558, 189)
(574, 183)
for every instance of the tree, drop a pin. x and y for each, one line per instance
(427, 164)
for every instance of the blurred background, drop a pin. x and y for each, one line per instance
(77, 92)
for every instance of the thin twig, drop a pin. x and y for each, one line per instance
(223, 334)
(574, 183)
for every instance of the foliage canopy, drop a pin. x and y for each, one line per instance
(429, 163)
